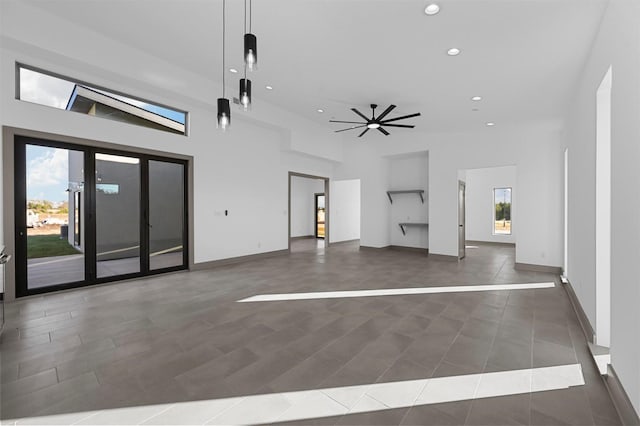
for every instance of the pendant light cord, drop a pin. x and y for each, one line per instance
(245, 31)
(250, 12)
(223, 39)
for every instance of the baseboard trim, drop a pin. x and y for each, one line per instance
(620, 399)
(337, 243)
(585, 324)
(538, 268)
(303, 237)
(369, 248)
(490, 243)
(445, 257)
(424, 251)
(240, 259)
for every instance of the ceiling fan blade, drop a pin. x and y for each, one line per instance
(385, 112)
(348, 122)
(408, 126)
(360, 114)
(349, 128)
(365, 131)
(383, 131)
(400, 118)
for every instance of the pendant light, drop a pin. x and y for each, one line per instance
(224, 109)
(245, 84)
(245, 93)
(250, 44)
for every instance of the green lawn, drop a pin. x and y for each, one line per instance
(48, 245)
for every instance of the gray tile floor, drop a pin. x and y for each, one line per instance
(183, 337)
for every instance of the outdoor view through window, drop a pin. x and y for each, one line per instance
(502, 211)
(62, 93)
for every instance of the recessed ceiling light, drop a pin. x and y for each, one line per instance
(233, 70)
(268, 87)
(491, 123)
(432, 9)
(453, 51)
(476, 98)
(320, 110)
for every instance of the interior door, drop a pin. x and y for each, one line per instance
(461, 220)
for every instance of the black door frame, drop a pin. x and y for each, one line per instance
(20, 206)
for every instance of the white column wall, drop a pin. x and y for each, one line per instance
(617, 45)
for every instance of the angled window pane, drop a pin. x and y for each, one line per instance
(65, 93)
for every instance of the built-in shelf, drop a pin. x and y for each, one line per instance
(420, 192)
(405, 225)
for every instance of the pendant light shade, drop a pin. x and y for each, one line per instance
(251, 51)
(245, 93)
(224, 113)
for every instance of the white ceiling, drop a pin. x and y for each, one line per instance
(522, 56)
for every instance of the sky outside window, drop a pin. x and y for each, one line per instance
(44, 89)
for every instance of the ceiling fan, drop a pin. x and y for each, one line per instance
(376, 122)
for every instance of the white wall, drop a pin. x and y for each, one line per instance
(405, 173)
(534, 148)
(303, 192)
(244, 171)
(344, 210)
(479, 203)
(617, 45)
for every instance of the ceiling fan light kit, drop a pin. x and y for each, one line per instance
(374, 122)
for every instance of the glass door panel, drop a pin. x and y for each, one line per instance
(54, 185)
(117, 215)
(166, 214)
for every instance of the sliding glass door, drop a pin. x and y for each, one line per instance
(166, 214)
(86, 215)
(50, 184)
(117, 207)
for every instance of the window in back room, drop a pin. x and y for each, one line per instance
(502, 211)
(45, 88)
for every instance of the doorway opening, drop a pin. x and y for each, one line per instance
(461, 220)
(320, 215)
(308, 212)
